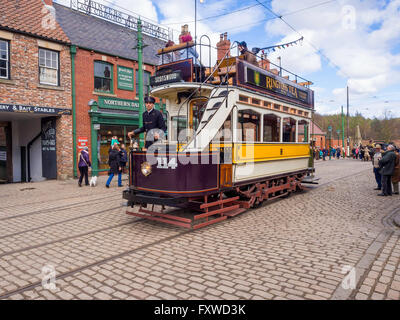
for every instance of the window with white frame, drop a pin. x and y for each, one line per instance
(48, 67)
(4, 60)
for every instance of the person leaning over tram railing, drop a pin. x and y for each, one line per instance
(153, 123)
(247, 55)
(191, 53)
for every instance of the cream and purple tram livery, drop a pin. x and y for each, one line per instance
(233, 141)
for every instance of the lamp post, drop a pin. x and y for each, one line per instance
(330, 138)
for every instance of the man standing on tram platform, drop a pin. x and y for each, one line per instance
(153, 123)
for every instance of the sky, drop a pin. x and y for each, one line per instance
(350, 43)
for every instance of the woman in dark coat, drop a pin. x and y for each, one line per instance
(114, 161)
(84, 165)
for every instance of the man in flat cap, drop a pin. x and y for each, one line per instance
(153, 123)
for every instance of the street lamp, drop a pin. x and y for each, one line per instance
(280, 66)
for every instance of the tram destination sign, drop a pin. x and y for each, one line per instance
(161, 79)
(274, 84)
(18, 108)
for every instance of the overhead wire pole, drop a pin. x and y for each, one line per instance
(348, 137)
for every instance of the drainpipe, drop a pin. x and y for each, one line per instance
(73, 53)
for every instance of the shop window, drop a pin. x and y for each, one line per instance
(289, 130)
(103, 77)
(48, 67)
(4, 60)
(303, 131)
(146, 82)
(104, 138)
(272, 128)
(249, 124)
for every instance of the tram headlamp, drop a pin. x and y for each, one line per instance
(146, 168)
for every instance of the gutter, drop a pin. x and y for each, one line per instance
(73, 53)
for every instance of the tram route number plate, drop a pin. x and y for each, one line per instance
(163, 163)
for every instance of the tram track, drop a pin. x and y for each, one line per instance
(58, 222)
(37, 284)
(97, 263)
(67, 206)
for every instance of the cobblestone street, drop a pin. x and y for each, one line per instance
(336, 240)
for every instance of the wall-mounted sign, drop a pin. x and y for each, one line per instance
(17, 108)
(118, 104)
(125, 78)
(83, 142)
(96, 126)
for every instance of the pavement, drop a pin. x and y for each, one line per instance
(336, 240)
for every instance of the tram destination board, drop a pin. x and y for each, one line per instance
(161, 79)
(268, 82)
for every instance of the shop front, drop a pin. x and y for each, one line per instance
(29, 140)
(111, 117)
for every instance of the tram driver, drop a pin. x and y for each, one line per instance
(153, 123)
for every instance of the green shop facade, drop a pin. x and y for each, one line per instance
(111, 117)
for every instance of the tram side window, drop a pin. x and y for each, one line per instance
(175, 121)
(289, 130)
(303, 131)
(272, 128)
(249, 124)
(225, 132)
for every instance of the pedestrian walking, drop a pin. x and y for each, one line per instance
(83, 166)
(114, 161)
(375, 164)
(387, 164)
(124, 157)
(396, 173)
(338, 152)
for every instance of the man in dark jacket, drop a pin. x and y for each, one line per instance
(83, 165)
(114, 161)
(246, 54)
(387, 164)
(153, 123)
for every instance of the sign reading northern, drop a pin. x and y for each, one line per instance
(271, 83)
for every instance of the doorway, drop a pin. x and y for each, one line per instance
(5, 152)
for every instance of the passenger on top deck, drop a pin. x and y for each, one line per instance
(247, 55)
(191, 53)
(169, 57)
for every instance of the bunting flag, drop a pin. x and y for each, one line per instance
(280, 46)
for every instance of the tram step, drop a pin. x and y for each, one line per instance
(234, 212)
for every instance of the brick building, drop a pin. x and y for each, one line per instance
(105, 64)
(318, 137)
(35, 93)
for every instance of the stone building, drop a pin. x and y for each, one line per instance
(106, 83)
(35, 93)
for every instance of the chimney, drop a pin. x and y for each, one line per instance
(223, 46)
(48, 2)
(264, 63)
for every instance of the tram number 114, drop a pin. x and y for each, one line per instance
(162, 163)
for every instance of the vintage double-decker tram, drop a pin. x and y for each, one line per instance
(235, 140)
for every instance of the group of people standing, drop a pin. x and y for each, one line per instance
(364, 153)
(335, 152)
(386, 167)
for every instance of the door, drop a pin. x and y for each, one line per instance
(5, 153)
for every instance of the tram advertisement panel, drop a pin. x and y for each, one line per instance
(269, 82)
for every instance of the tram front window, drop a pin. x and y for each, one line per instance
(289, 130)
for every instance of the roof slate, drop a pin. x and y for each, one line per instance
(32, 17)
(99, 35)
